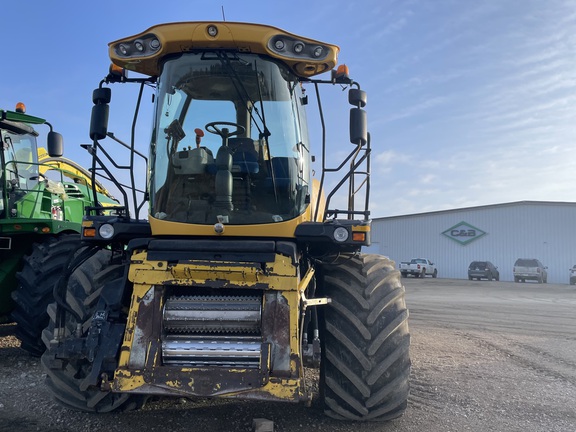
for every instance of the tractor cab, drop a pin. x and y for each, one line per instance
(20, 159)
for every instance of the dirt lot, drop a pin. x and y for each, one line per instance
(487, 356)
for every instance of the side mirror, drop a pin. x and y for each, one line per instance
(358, 126)
(357, 97)
(55, 144)
(358, 117)
(99, 119)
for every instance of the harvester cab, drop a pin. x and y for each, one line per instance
(243, 272)
(41, 208)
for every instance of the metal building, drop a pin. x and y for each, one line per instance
(499, 233)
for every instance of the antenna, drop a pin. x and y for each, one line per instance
(223, 16)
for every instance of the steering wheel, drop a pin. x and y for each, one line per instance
(216, 128)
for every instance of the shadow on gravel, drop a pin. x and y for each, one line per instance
(11, 424)
(7, 329)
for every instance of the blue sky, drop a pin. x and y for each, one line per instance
(469, 102)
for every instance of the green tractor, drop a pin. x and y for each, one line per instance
(42, 201)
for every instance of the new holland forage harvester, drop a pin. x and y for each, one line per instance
(243, 272)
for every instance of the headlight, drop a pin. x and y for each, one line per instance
(341, 234)
(142, 47)
(288, 46)
(106, 231)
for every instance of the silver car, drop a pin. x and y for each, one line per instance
(530, 269)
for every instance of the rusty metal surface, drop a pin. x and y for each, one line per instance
(276, 331)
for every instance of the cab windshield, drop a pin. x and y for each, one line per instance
(230, 142)
(19, 165)
(20, 159)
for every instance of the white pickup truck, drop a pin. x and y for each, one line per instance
(418, 267)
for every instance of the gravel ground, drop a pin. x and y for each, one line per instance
(487, 356)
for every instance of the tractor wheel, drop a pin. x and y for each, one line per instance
(65, 376)
(40, 271)
(365, 367)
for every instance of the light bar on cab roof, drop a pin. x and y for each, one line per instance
(288, 46)
(144, 46)
(143, 52)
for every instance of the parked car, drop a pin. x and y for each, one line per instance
(573, 275)
(418, 267)
(483, 270)
(530, 269)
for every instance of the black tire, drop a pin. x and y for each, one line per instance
(64, 377)
(364, 374)
(470, 278)
(40, 271)
(435, 274)
(489, 277)
(423, 273)
(404, 275)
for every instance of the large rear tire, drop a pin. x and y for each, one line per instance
(64, 376)
(365, 353)
(40, 271)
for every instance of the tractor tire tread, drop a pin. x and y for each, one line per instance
(366, 366)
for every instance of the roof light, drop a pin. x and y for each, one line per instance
(288, 46)
(143, 46)
(20, 107)
(212, 30)
(139, 45)
(124, 49)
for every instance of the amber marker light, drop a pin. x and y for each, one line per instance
(342, 71)
(117, 70)
(20, 107)
(46, 230)
(89, 232)
(359, 236)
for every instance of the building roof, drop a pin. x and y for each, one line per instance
(488, 206)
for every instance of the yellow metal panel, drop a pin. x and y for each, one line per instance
(244, 37)
(280, 389)
(280, 275)
(151, 377)
(276, 230)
